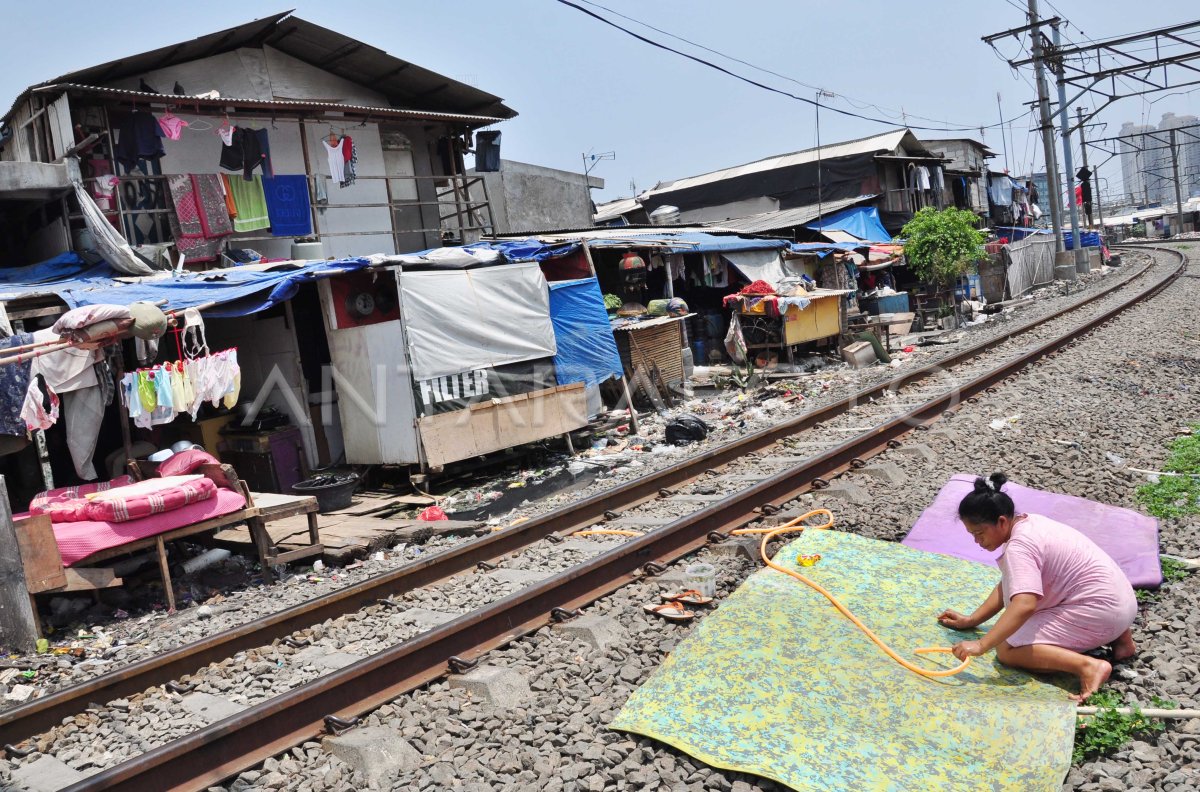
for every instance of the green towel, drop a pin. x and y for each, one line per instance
(251, 204)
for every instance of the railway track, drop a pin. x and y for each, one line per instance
(206, 756)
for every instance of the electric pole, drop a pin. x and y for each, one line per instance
(1178, 184)
(1053, 186)
(1099, 201)
(1064, 120)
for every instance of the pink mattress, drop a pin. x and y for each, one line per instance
(78, 540)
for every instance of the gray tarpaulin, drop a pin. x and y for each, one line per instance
(459, 320)
(1031, 263)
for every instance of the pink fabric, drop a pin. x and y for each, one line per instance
(1084, 599)
(70, 493)
(78, 540)
(185, 462)
(132, 506)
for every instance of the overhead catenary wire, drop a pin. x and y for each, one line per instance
(764, 86)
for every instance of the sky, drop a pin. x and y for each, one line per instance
(583, 87)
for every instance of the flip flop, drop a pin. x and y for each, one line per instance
(688, 597)
(671, 611)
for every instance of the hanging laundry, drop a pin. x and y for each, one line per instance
(67, 369)
(244, 151)
(138, 138)
(199, 220)
(225, 132)
(14, 383)
(264, 146)
(921, 178)
(40, 408)
(83, 412)
(171, 125)
(287, 205)
(337, 162)
(350, 153)
(251, 204)
(230, 206)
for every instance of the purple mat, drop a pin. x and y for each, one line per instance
(1129, 537)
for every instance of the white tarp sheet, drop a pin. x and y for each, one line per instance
(460, 320)
(763, 265)
(109, 243)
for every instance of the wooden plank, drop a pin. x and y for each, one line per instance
(90, 579)
(18, 622)
(39, 554)
(295, 555)
(232, 518)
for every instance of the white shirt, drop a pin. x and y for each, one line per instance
(337, 162)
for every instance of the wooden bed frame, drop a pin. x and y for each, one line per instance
(38, 556)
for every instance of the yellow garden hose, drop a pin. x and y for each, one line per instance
(794, 526)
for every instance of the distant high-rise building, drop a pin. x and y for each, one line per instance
(1146, 166)
(1134, 160)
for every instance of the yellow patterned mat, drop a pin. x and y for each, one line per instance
(779, 684)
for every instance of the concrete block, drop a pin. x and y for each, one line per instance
(918, 451)
(745, 546)
(591, 545)
(674, 577)
(844, 490)
(424, 618)
(323, 658)
(504, 688)
(598, 632)
(45, 774)
(697, 498)
(886, 472)
(518, 576)
(638, 523)
(208, 707)
(378, 753)
(749, 478)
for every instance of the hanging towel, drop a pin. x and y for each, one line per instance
(251, 204)
(287, 205)
(200, 219)
(230, 206)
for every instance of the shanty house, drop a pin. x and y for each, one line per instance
(895, 169)
(965, 172)
(292, 93)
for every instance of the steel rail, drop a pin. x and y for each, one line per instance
(243, 740)
(21, 722)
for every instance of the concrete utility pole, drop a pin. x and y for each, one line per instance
(1064, 121)
(1178, 190)
(1047, 126)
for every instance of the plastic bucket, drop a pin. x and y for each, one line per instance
(702, 578)
(700, 352)
(330, 497)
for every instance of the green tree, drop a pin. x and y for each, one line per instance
(941, 244)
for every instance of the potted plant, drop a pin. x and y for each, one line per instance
(940, 245)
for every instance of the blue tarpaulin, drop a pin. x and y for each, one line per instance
(861, 221)
(823, 249)
(694, 242)
(1090, 238)
(587, 351)
(511, 249)
(238, 291)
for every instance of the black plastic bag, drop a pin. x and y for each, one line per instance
(685, 430)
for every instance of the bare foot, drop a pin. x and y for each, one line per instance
(1095, 674)
(1123, 647)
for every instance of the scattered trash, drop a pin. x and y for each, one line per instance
(999, 424)
(318, 565)
(43, 646)
(204, 612)
(20, 693)
(685, 430)
(378, 556)
(432, 514)
(1119, 461)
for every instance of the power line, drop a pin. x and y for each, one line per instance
(757, 84)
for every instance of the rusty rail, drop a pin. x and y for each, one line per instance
(242, 741)
(21, 722)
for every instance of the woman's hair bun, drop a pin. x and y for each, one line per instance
(981, 485)
(998, 480)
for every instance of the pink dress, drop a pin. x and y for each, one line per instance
(1084, 599)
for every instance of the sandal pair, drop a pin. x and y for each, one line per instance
(673, 605)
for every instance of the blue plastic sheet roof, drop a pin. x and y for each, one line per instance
(823, 249)
(695, 242)
(861, 221)
(587, 351)
(515, 249)
(238, 291)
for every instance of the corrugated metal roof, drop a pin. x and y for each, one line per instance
(887, 141)
(290, 104)
(614, 209)
(406, 85)
(788, 218)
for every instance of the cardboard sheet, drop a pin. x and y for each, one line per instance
(777, 683)
(1130, 538)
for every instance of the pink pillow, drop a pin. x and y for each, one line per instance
(185, 462)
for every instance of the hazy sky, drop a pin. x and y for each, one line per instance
(582, 86)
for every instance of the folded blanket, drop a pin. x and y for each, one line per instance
(287, 205)
(132, 502)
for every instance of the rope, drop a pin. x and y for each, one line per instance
(794, 526)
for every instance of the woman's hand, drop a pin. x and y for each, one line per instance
(967, 649)
(955, 620)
